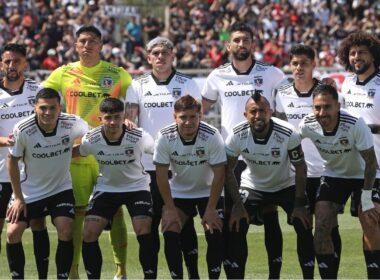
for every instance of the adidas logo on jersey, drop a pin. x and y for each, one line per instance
(291, 105)
(101, 153)
(230, 83)
(148, 94)
(373, 265)
(376, 195)
(175, 153)
(245, 151)
(5, 105)
(38, 145)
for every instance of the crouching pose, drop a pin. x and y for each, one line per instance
(122, 181)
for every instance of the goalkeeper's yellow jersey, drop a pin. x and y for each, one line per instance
(83, 89)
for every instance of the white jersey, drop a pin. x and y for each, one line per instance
(232, 89)
(120, 162)
(190, 162)
(268, 160)
(340, 148)
(363, 98)
(156, 102)
(14, 106)
(296, 105)
(46, 156)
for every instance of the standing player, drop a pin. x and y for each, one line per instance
(269, 146)
(345, 143)
(44, 142)
(122, 181)
(195, 153)
(232, 85)
(150, 99)
(360, 54)
(293, 101)
(17, 95)
(83, 85)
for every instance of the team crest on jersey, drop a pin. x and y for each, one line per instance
(200, 152)
(106, 82)
(344, 141)
(371, 93)
(65, 140)
(129, 152)
(258, 81)
(275, 152)
(31, 100)
(176, 92)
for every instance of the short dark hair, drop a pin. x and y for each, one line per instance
(17, 48)
(324, 89)
(301, 49)
(48, 93)
(187, 102)
(359, 38)
(242, 27)
(89, 28)
(111, 105)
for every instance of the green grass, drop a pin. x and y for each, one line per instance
(352, 263)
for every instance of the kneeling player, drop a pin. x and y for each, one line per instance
(122, 180)
(195, 152)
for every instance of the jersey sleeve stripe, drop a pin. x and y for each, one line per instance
(237, 129)
(282, 129)
(169, 129)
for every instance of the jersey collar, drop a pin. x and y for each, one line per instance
(15, 92)
(366, 80)
(185, 142)
(113, 143)
(167, 81)
(332, 133)
(309, 93)
(246, 72)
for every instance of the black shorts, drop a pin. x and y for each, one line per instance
(5, 196)
(255, 200)
(239, 168)
(157, 200)
(356, 198)
(192, 206)
(58, 205)
(106, 204)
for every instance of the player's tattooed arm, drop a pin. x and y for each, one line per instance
(375, 128)
(369, 157)
(131, 112)
(280, 115)
(231, 182)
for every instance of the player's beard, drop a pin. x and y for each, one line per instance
(362, 69)
(13, 76)
(241, 54)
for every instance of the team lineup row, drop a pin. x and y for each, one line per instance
(340, 158)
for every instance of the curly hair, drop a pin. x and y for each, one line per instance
(359, 38)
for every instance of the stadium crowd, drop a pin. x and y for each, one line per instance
(198, 28)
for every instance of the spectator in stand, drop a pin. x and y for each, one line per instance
(50, 62)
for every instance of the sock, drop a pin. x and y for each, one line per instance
(227, 240)
(92, 259)
(156, 219)
(372, 260)
(147, 258)
(238, 251)
(64, 258)
(273, 244)
(189, 247)
(214, 254)
(77, 241)
(326, 266)
(118, 239)
(16, 260)
(305, 249)
(337, 242)
(41, 246)
(173, 254)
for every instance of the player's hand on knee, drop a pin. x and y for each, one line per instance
(303, 214)
(170, 219)
(13, 213)
(238, 212)
(211, 221)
